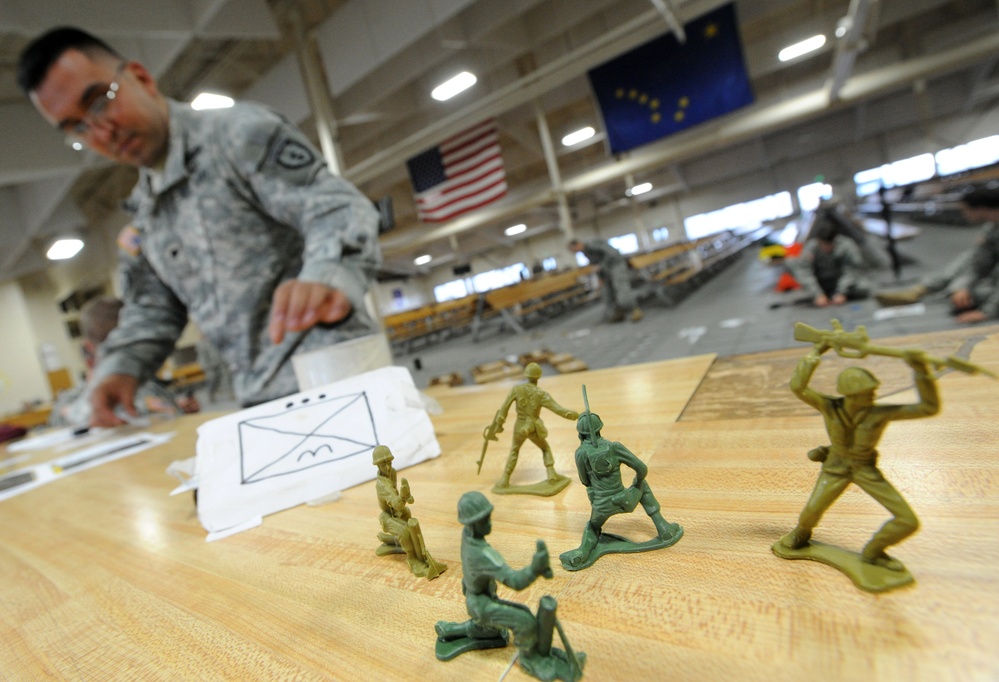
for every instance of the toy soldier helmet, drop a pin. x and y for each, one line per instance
(473, 506)
(854, 380)
(533, 371)
(381, 454)
(588, 423)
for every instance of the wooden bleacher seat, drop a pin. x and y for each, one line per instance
(546, 295)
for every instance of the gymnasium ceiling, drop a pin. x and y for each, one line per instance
(898, 63)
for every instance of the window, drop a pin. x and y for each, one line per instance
(549, 264)
(745, 215)
(626, 243)
(450, 291)
(809, 196)
(660, 234)
(581, 260)
(494, 279)
(975, 154)
(902, 172)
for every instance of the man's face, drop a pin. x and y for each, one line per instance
(134, 127)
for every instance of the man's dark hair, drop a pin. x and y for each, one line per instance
(981, 197)
(825, 230)
(39, 56)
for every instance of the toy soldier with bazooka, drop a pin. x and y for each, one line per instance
(599, 463)
(491, 617)
(855, 424)
(530, 399)
(401, 533)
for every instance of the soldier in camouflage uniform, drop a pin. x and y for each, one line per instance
(831, 267)
(238, 224)
(620, 298)
(971, 281)
(98, 317)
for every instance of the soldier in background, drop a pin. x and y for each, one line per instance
(237, 223)
(831, 267)
(98, 317)
(970, 280)
(620, 298)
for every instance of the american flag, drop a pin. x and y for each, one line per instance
(461, 174)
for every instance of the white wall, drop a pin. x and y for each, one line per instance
(21, 372)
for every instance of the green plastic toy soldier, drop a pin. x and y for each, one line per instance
(401, 533)
(530, 399)
(599, 463)
(490, 616)
(855, 424)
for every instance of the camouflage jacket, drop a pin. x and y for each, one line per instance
(243, 203)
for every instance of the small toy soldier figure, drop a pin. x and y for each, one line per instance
(530, 399)
(401, 533)
(855, 424)
(599, 462)
(490, 616)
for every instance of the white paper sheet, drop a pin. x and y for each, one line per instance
(289, 451)
(28, 478)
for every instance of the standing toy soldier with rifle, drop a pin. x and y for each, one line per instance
(530, 399)
(855, 424)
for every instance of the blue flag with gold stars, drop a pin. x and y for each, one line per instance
(664, 86)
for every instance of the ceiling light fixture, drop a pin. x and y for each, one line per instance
(423, 260)
(64, 248)
(578, 136)
(804, 47)
(208, 100)
(639, 189)
(452, 87)
(515, 229)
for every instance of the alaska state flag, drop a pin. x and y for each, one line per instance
(663, 86)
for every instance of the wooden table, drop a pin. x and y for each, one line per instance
(104, 576)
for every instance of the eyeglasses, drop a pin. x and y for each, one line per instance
(96, 112)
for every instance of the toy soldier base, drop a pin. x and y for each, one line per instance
(868, 577)
(552, 486)
(422, 566)
(490, 618)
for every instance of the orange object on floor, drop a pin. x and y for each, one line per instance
(787, 283)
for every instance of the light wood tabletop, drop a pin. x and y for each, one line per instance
(104, 576)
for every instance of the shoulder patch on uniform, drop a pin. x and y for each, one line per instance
(293, 154)
(130, 240)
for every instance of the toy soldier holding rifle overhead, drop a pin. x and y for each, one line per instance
(855, 424)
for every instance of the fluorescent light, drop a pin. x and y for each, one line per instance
(208, 100)
(423, 260)
(804, 47)
(449, 89)
(64, 248)
(515, 229)
(77, 146)
(578, 136)
(639, 189)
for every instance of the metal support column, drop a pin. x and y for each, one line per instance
(565, 217)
